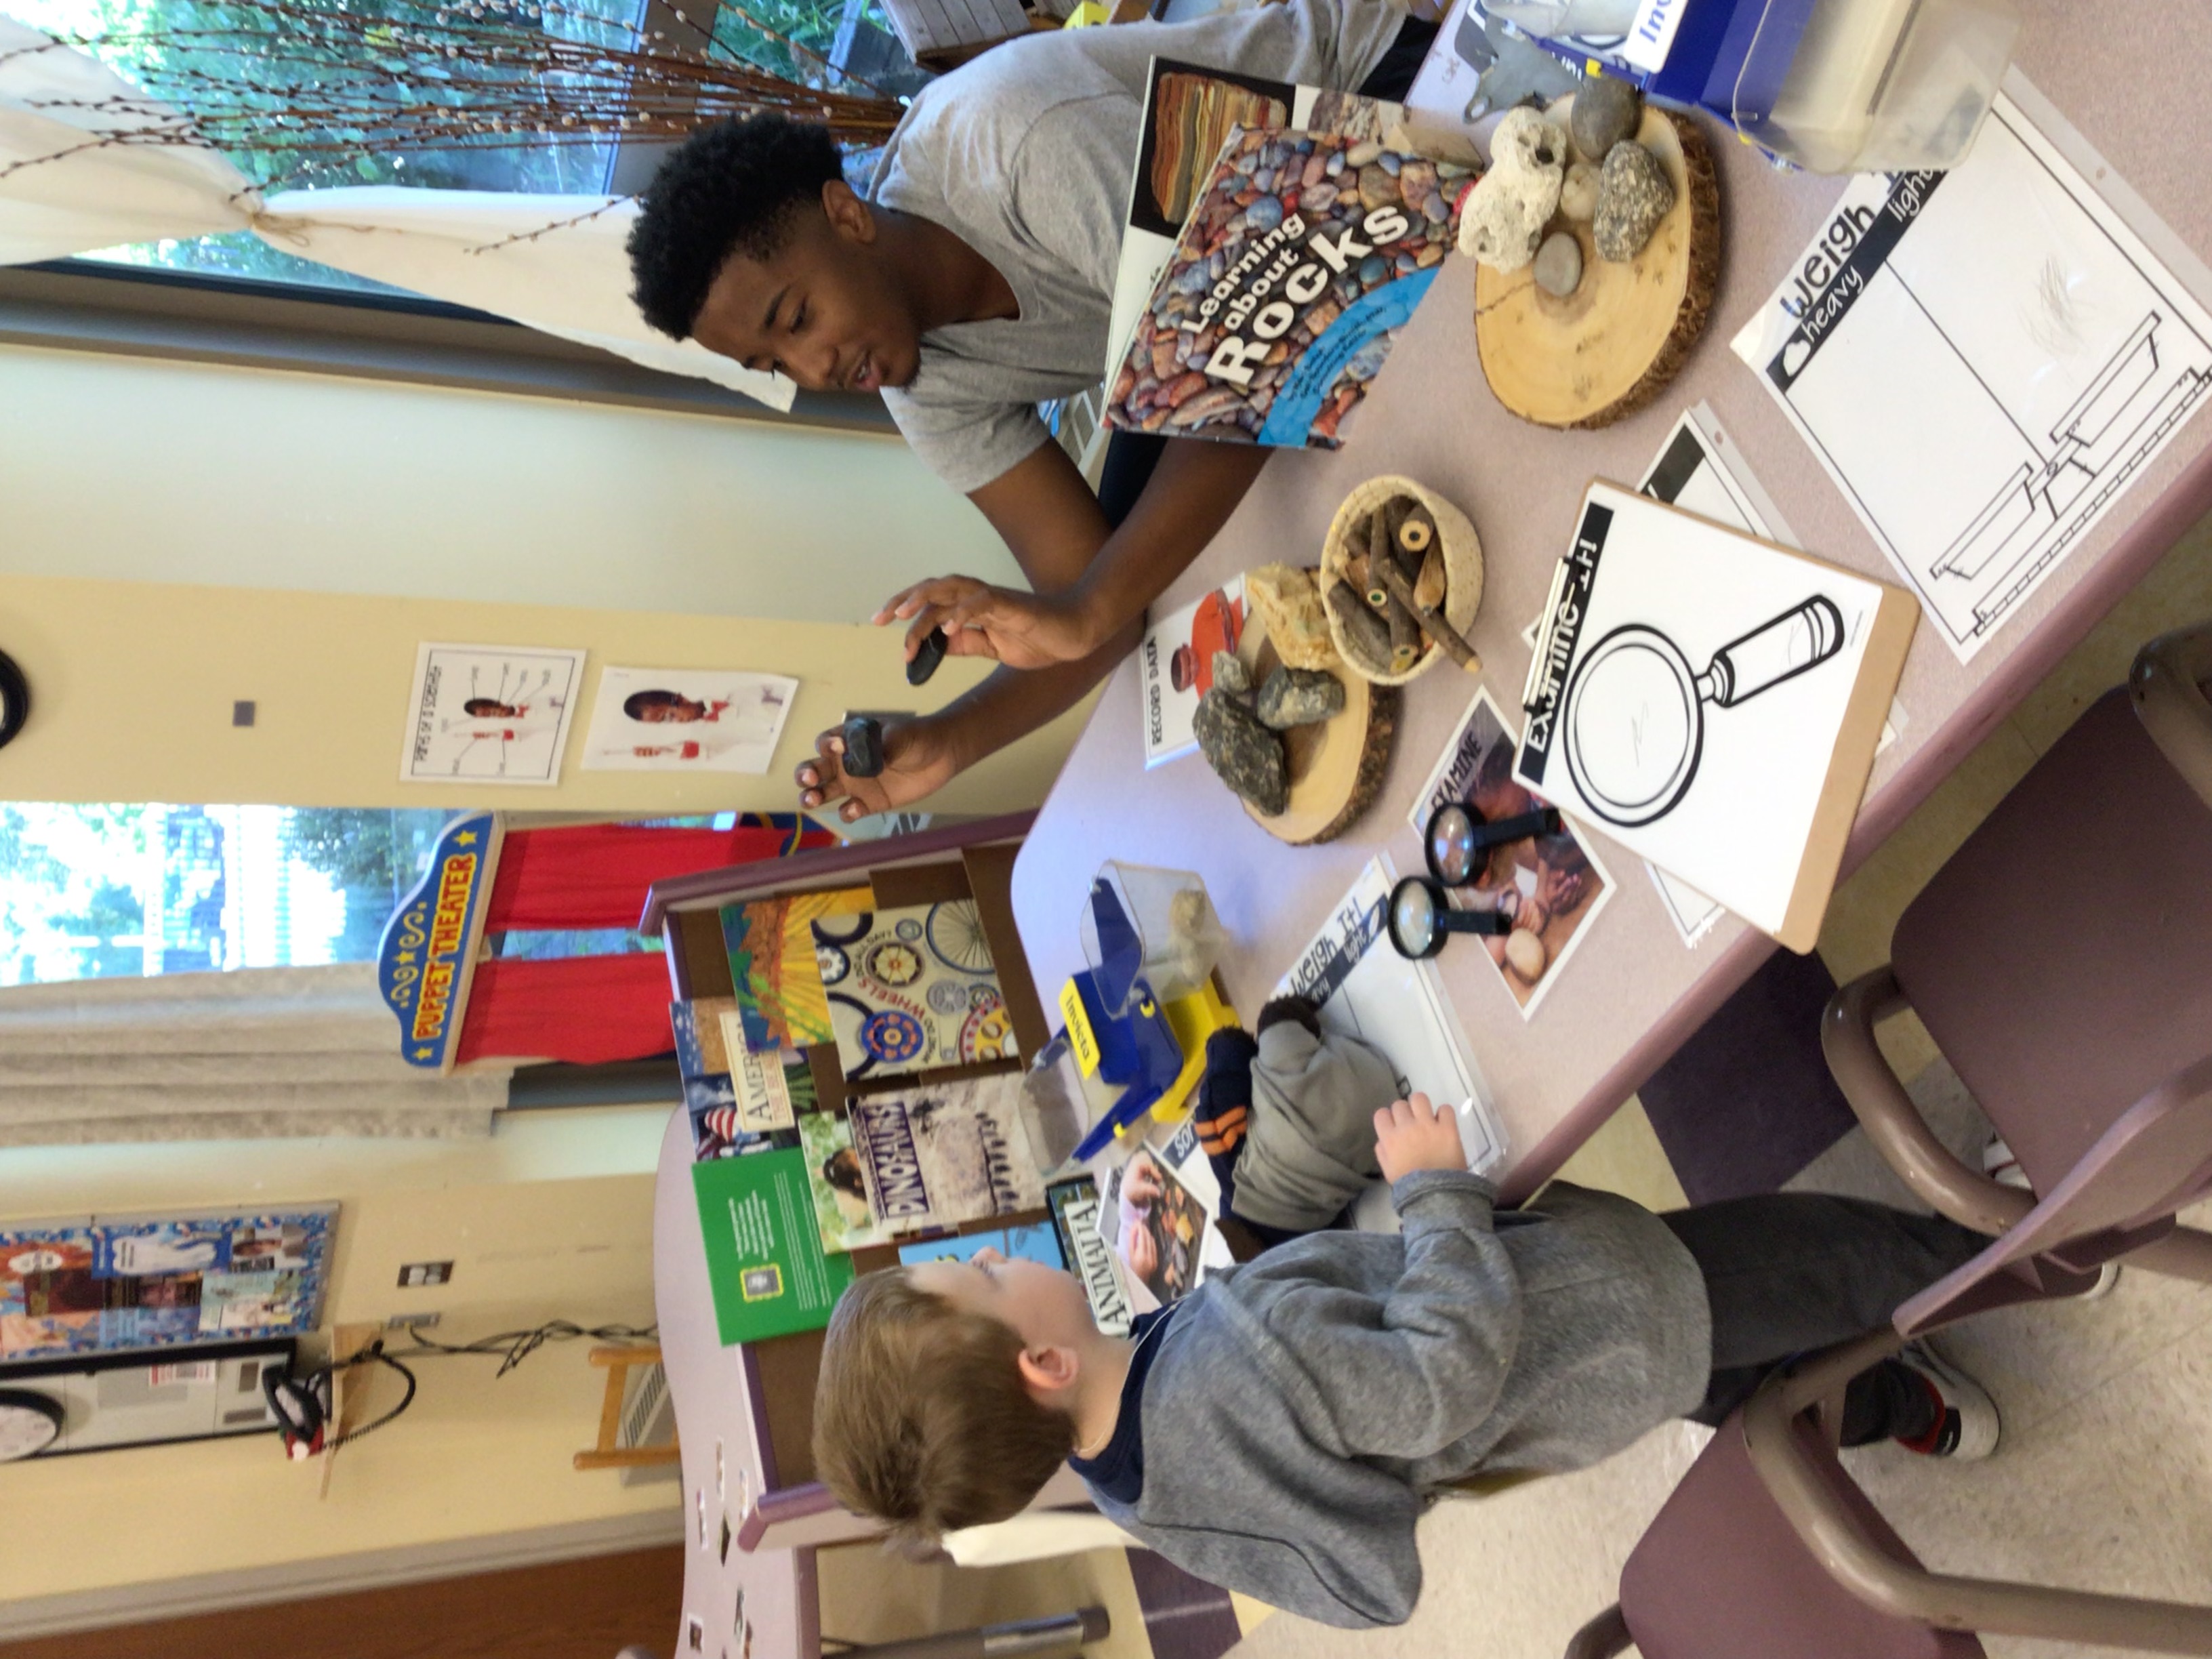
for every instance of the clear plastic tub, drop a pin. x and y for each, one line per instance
(1877, 86)
(1141, 922)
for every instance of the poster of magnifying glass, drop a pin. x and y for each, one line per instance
(1713, 702)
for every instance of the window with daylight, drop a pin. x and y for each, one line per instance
(97, 891)
(90, 891)
(567, 97)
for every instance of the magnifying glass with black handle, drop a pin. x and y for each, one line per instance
(1459, 839)
(1421, 918)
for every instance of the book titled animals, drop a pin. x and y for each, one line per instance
(1713, 702)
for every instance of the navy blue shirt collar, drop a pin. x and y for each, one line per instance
(1118, 1471)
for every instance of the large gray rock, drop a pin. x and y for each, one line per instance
(1633, 195)
(1605, 111)
(1299, 697)
(1244, 754)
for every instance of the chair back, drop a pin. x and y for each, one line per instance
(1720, 1573)
(2121, 1194)
(2061, 959)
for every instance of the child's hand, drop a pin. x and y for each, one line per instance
(1413, 1134)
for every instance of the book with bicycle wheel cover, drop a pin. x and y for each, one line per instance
(765, 1262)
(935, 1155)
(912, 989)
(1712, 702)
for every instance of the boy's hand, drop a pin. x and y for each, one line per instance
(1413, 1134)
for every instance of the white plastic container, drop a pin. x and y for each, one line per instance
(1179, 937)
(1884, 86)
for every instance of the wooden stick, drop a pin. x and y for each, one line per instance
(1362, 626)
(1429, 586)
(1432, 624)
(1417, 534)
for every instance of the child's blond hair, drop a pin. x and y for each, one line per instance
(921, 1417)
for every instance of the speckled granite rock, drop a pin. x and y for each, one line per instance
(1243, 754)
(1633, 195)
(1299, 697)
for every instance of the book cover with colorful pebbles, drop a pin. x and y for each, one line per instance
(1302, 260)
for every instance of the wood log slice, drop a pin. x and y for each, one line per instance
(1604, 351)
(1336, 765)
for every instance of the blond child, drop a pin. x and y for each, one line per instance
(1280, 1430)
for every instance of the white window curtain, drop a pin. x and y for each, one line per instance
(79, 170)
(223, 1056)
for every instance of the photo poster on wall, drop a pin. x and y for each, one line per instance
(489, 714)
(911, 988)
(110, 1285)
(686, 720)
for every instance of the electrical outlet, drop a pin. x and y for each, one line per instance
(410, 1322)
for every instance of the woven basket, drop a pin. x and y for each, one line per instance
(1463, 569)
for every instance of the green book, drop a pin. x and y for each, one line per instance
(764, 1256)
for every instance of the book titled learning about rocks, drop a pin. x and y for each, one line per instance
(1301, 261)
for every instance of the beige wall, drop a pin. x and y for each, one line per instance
(132, 686)
(135, 469)
(550, 1218)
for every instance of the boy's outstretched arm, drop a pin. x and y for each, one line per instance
(1429, 1369)
(1060, 635)
(1111, 577)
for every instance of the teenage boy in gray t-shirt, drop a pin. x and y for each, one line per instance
(974, 280)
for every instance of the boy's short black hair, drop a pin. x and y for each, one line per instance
(731, 188)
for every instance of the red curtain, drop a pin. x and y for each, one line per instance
(585, 1010)
(595, 875)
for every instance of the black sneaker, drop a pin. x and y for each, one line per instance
(1966, 1425)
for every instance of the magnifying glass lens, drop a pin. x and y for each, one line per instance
(1452, 856)
(1414, 919)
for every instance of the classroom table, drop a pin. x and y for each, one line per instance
(1632, 992)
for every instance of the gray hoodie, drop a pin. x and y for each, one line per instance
(1311, 1149)
(1301, 1409)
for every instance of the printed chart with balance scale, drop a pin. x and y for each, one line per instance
(1983, 360)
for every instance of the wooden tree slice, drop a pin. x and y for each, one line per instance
(1336, 765)
(1605, 351)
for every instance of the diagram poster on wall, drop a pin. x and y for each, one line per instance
(489, 714)
(1983, 360)
(104, 1284)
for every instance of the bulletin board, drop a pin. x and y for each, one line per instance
(110, 1283)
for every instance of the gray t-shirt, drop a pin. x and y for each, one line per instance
(1026, 153)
